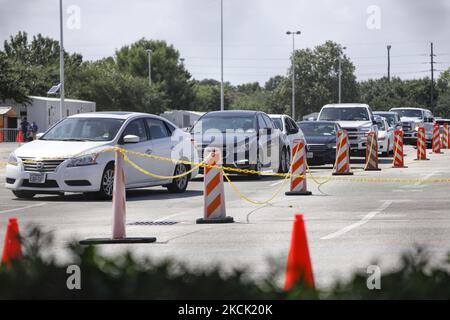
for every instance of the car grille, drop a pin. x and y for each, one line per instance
(36, 165)
(407, 126)
(47, 184)
(317, 147)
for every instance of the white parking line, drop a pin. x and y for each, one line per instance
(276, 183)
(364, 220)
(23, 208)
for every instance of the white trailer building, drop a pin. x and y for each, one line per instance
(46, 111)
(182, 118)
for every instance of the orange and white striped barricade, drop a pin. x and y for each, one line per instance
(421, 145)
(298, 185)
(445, 137)
(119, 210)
(213, 192)
(436, 143)
(342, 154)
(372, 152)
(399, 154)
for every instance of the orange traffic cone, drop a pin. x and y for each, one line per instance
(19, 136)
(299, 263)
(1, 136)
(12, 249)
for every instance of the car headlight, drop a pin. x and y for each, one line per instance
(12, 160)
(83, 161)
(331, 146)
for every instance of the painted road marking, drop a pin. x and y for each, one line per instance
(364, 220)
(24, 208)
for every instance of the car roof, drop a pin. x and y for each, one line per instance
(410, 109)
(320, 121)
(346, 105)
(234, 112)
(384, 112)
(113, 115)
(273, 115)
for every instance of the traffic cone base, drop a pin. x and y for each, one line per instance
(95, 241)
(215, 221)
(342, 173)
(298, 193)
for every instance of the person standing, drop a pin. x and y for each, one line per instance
(34, 130)
(24, 128)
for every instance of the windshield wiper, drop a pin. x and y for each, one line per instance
(72, 139)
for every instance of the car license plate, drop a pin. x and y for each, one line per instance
(309, 155)
(38, 177)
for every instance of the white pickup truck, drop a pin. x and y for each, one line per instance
(356, 118)
(414, 118)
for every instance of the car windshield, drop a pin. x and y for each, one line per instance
(409, 113)
(84, 129)
(389, 117)
(223, 123)
(278, 123)
(343, 114)
(312, 129)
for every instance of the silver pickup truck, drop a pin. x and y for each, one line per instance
(356, 118)
(414, 118)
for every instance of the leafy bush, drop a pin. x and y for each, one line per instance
(38, 276)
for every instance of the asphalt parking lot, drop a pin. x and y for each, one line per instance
(349, 223)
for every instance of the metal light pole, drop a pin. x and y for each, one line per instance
(389, 62)
(293, 70)
(340, 75)
(149, 51)
(61, 60)
(222, 98)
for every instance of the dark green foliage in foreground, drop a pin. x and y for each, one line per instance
(37, 275)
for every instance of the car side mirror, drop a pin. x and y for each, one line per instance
(374, 122)
(39, 135)
(131, 138)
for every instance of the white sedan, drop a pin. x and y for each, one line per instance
(67, 157)
(385, 137)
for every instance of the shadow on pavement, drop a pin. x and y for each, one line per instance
(132, 195)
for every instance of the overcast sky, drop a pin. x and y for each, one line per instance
(256, 46)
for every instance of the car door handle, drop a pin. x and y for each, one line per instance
(148, 151)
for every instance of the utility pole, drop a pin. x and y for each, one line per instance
(222, 95)
(340, 76)
(61, 61)
(149, 51)
(389, 62)
(293, 70)
(432, 55)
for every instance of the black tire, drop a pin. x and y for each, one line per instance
(23, 194)
(282, 166)
(179, 185)
(107, 183)
(256, 167)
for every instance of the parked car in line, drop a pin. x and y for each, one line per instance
(385, 136)
(392, 118)
(248, 139)
(414, 118)
(356, 118)
(289, 133)
(66, 158)
(321, 139)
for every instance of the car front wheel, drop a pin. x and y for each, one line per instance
(107, 183)
(179, 185)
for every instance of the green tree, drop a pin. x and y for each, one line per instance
(167, 71)
(316, 80)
